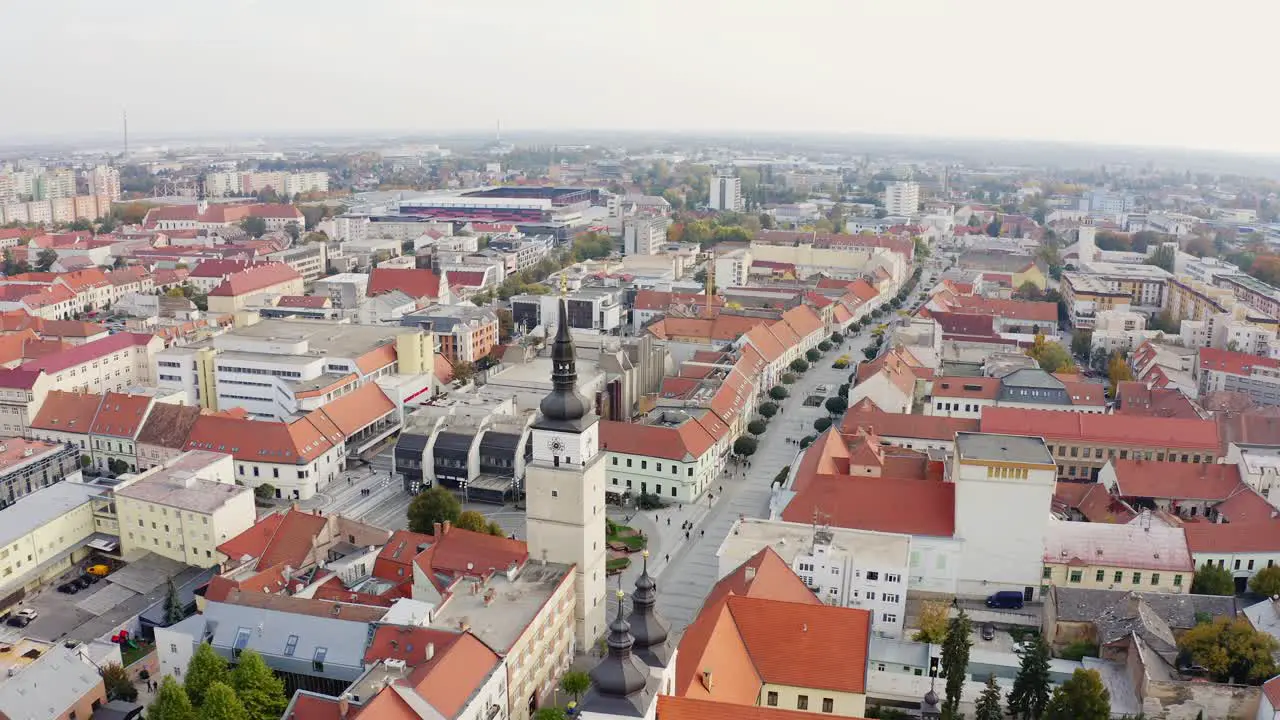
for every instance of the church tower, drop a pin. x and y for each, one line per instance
(564, 489)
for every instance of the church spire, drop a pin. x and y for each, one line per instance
(647, 627)
(563, 403)
(619, 673)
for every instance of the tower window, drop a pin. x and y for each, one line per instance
(555, 493)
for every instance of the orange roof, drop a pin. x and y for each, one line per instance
(458, 671)
(304, 301)
(674, 707)
(1101, 429)
(1233, 537)
(121, 415)
(255, 279)
(253, 541)
(1175, 480)
(456, 553)
(979, 388)
(417, 284)
(355, 410)
(395, 559)
(803, 321)
(70, 412)
(660, 300)
(1235, 363)
(865, 413)
(81, 280)
(292, 540)
(377, 358)
(884, 504)
(1135, 398)
(765, 343)
(686, 442)
(264, 441)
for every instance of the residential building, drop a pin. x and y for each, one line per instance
(1226, 370)
(346, 290)
(184, 509)
(726, 193)
(913, 432)
(1136, 399)
(674, 455)
(424, 286)
(1213, 492)
(1103, 617)
(44, 534)
(310, 260)
(164, 433)
(753, 644)
(892, 382)
(1032, 388)
(242, 288)
(466, 333)
(1119, 330)
(902, 198)
(216, 216)
(1243, 548)
(117, 362)
(1140, 555)
(644, 235)
(1021, 267)
(61, 683)
(27, 466)
(295, 459)
(114, 432)
(105, 180)
(843, 567)
(1081, 443)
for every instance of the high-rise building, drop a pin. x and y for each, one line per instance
(105, 180)
(564, 486)
(56, 183)
(726, 193)
(902, 198)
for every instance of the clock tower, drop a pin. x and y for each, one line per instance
(564, 489)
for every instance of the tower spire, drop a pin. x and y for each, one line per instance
(647, 627)
(620, 673)
(564, 402)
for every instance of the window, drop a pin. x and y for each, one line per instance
(317, 660)
(1099, 577)
(873, 575)
(1155, 578)
(871, 595)
(290, 646)
(771, 699)
(802, 702)
(1048, 573)
(1137, 578)
(615, 460)
(1237, 564)
(242, 640)
(1119, 577)
(889, 617)
(828, 705)
(1250, 563)
(887, 577)
(644, 464)
(1075, 576)
(659, 467)
(1177, 581)
(628, 462)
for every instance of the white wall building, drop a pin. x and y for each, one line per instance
(902, 198)
(726, 193)
(644, 235)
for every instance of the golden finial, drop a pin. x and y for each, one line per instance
(564, 283)
(621, 594)
(645, 554)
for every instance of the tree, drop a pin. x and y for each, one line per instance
(1082, 344)
(173, 609)
(431, 506)
(837, 338)
(988, 707)
(757, 427)
(316, 237)
(463, 371)
(777, 392)
(1028, 291)
(933, 622)
(1051, 356)
(812, 355)
(799, 365)
(550, 713)
(254, 226)
(993, 229)
(221, 703)
(1081, 697)
(788, 378)
(836, 405)
(118, 683)
(496, 530)
(1118, 370)
(1213, 580)
(171, 703)
(264, 492)
(955, 663)
(205, 669)
(1163, 258)
(821, 424)
(767, 409)
(1030, 694)
(1231, 650)
(472, 520)
(506, 324)
(46, 259)
(294, 232)
(258, 688)
(576, 683)
(745, 446)
(1266, 582)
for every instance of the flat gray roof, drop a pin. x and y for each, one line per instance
(501, 622)
(48, 687)
(326, 338)
(1007, 448)
(43, 506)
(177, 485)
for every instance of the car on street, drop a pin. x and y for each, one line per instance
(23, 617)
(1023, 647)
(988, 631)
(69, 588)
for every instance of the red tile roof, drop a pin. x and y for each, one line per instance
(865, 413)
(1175, 480)
(672, 707)
(1255, 537)
(686, 442)
(457, 553)
(973, 388)
(459, 278)
(217, 268)
(292, 540)
(70, 412)
(253, 541)
(659, 300)
(1234, 363)
(793, 643)
(1135, 398)
(255, 279)
(304, 301)
(417, 284)
(88, 352)
(1101, 429)
(357, 409)
(121, 415)
(884, 504)
(395, 559)
(262, 441)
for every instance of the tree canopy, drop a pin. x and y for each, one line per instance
(1051, 356)
(206, 668)
(1081, 697)
(258, 688)
(1030, 694)
(955, 664)
(171, 703)
(221, 703)
(932, 622)
(431, 506)
(1231, 650)
(1266, 582)
(988, 705)
(1213, 580)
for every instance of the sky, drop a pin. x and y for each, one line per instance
(1171, 73)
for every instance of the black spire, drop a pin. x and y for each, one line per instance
(648, 628)
(563, 403)
(620, 673)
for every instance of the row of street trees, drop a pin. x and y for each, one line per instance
(212, 691)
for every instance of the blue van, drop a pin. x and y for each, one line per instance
(1006, 599)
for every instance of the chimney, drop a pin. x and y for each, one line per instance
(431, 651)
(749, 573)
(706, 679)
(344, 707)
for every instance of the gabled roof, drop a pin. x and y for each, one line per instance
(1175, 480)
(674, 707)
(417, 284)
(456, 553)
(685, 443)
(254, 540)
(865, 413)
(121, 415)
(1135, 398)
(80, 354)
(304, 301)
(292, 540)
(67, 412)
(168, 425)
(263, 441)
(255, 279)
(459, 278)
(1252, 537)
(1102, 429)
(1235, 363)
(356, 410)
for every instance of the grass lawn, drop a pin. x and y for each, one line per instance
(625, 535)
(618, 564)
(130, 656)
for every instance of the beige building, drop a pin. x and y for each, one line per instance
(184, 509)
(240, 289)
(1140, 555)
(44, 534)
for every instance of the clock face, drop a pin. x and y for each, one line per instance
(556, 445)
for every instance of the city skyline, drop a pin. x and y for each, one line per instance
(981, 71)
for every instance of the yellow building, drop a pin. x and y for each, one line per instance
(236, 292)
(1105, 556)
(1029, 274)
(44, 534)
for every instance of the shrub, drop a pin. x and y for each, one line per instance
(767, 409)
(777, 392)
(781, 477)
(840, 364)
(1079, 649)
(825, 345)
(757, 427)
(822, 424)
(650, 501)
(788, 379)
(843, 391)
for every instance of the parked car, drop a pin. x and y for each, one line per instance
(81, 582)
(1024, 646)
(93, 579)
(988, 631)
(1005, 599)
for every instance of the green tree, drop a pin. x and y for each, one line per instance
(789, 378)
(1030, 694)
(463, 371)
(988, 707)
(767, 409)
(821, 424)
(118, 683)
(206, 668)
(1051, 356)
(745, 446)
(812, 355)
(1231, 650)
(1082, 345)
(1081, 697)
(1266, 582)
(932, 622)
(257, 687)
(836, 405)
(1213, 580)
(264, 492)
(777, 392)
(496, 530)
(550, 713)
(46, 259)
(173, 609)
(254, 226)
(1118, 370)
(431, 506)
(955, 663)
(221, 703)
(1163, 258)
(757, 427)
(472, 520)
(292, 230)
(799, 365)
(171, 703)
(576, 683)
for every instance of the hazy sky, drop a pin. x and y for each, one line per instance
(1173, 73)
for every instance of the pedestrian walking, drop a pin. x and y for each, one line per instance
(702, 533)
(668, 522)
(667, 558)
(686, 534)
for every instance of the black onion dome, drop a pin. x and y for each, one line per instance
(564, 402)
